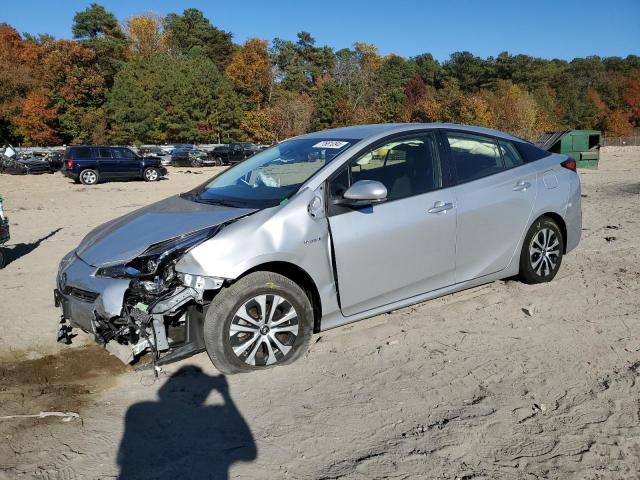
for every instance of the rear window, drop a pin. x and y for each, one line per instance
(80, 153)
(529, 152)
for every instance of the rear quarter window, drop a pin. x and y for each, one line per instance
(80, 153)
(510, 155)
(529, 152)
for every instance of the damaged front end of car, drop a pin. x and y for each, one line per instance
(161, 311)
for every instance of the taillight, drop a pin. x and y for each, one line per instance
(69, 164)
(570, 164)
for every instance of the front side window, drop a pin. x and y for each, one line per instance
(124, 153)
(406, 166)
(270, 177)
(474, 156)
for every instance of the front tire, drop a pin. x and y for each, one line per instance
(262, 320)
(151, 174)
(218, 161)
(89, 177)
(541, 253)
(3, 258)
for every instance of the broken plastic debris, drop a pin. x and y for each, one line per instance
(66, 416)
(528, 311)
(142, 307)
(122, 352)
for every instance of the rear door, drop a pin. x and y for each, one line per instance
(496, 193)
(404, 246)
(107, 164)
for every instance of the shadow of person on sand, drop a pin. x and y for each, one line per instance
(19, 250)
(179, 437)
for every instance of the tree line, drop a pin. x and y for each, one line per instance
(179, 78)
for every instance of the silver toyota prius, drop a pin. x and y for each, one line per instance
(316, 232)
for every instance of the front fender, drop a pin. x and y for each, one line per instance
(285, 233)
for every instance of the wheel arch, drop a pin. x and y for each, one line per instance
(561, 223)
(300, 277)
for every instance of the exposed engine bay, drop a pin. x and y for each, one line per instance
(162, 310)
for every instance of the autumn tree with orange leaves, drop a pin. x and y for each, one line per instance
(181, 78)
(37, 118)
(632, 97)
(146, 35)
(251, 72)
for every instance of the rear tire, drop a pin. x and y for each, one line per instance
(89, 177)
(541, 253)
(151, 174)
(278, 335)
(3, 258)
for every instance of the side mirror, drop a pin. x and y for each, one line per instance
(364, 193)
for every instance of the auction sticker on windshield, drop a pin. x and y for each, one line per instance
(330, 144)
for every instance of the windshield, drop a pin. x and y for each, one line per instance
(270, 177)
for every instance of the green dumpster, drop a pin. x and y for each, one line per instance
(581, 145)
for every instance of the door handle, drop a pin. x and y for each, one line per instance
(440, 207)
(521, 186)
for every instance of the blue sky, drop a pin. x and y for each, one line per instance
(545, 28)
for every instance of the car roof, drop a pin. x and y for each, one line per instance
(98, 146)
(362, 132)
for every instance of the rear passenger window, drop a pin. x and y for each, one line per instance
(510, 155)
(80, 153)
(104, 153)
(474, 156)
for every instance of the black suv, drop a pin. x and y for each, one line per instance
(234, 152)
(90, 164)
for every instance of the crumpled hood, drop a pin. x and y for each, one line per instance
(126, 237)
(32, 163)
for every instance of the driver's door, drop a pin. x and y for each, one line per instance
(402, 247)
(129, 165)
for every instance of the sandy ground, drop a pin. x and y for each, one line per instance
(501, 381)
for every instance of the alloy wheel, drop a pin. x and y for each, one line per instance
(264, 330)
(152, 174)
(544, 252)
(89, 177)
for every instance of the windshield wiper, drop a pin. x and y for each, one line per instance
(224, 203)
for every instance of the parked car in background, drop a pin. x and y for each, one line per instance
(29, 162)
(319, 231)
(4, 234)
(20, 165)
(55, 160)
(158, 152)
(91, 164)
(184, 146)
(234, 152)
(191, 157)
